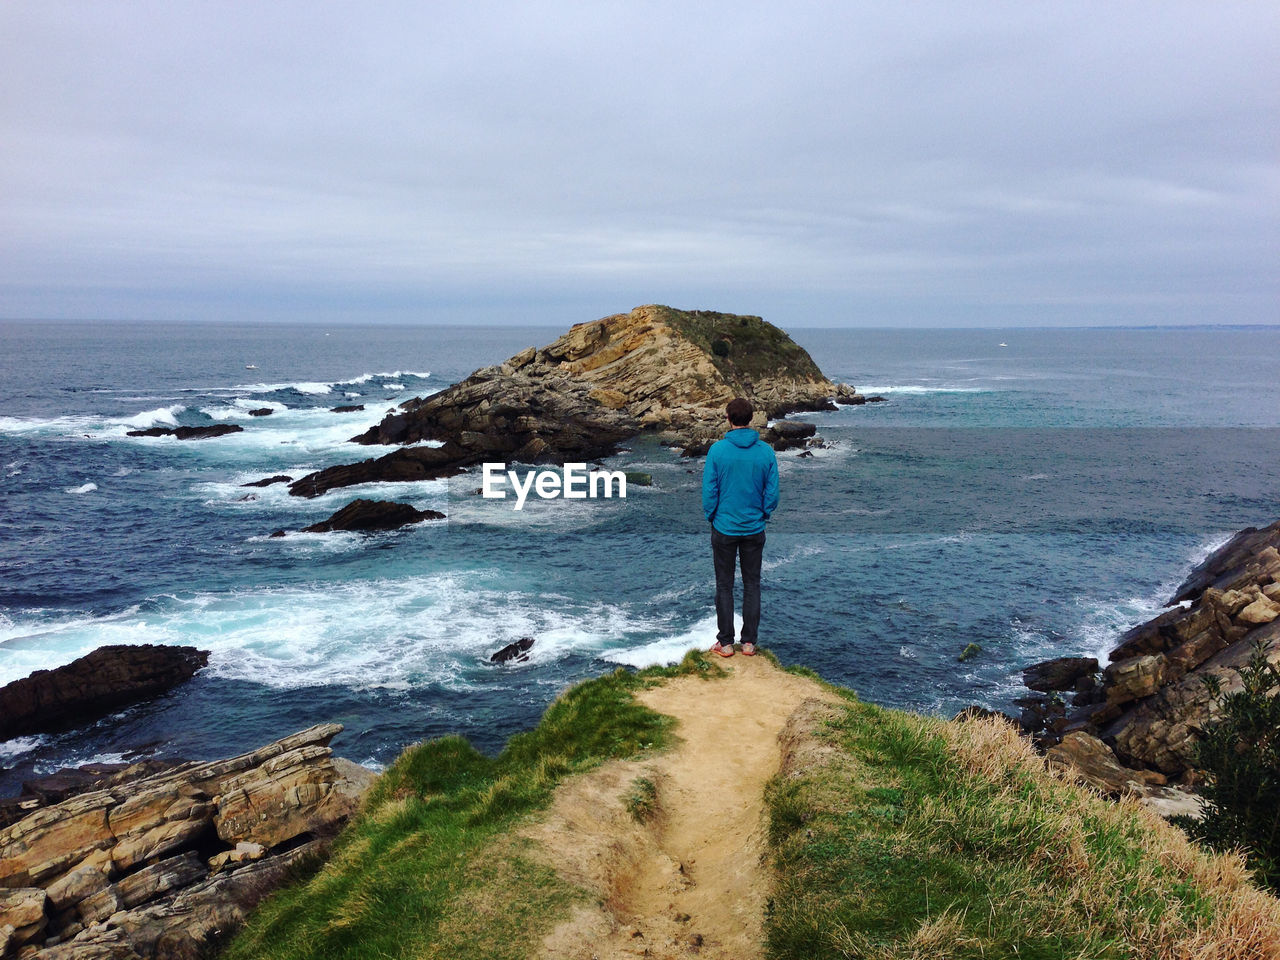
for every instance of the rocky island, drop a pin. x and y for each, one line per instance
(656, 370)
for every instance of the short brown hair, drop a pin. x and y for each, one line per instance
(740, 411)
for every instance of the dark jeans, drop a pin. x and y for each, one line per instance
(751, 550)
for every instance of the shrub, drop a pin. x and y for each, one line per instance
(720, 348)
(1239, 753)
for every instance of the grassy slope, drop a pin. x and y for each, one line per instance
(910, 836)
(757, 349)
(429, 868)
(905, 837)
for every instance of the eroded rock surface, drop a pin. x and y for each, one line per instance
(160, 865)
(1140, 721)
(656, 370)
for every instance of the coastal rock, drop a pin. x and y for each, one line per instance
(1058, 674)
(373, 515)
(1152, 701)
(262, 412)
(104, 680)
(786, 434)
(125, 871)
(268, 481)
(347, 408)
(189, 433)
(1091, 760)
(652, 370)
(514, 652)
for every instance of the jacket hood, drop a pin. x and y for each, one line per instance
(742, 437)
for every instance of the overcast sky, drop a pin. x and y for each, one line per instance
(822, 164)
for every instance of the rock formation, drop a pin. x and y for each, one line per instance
(371, 515)
(161, 865)
(189, 433)
(1136, 726)
(654, 370)
(104, 680)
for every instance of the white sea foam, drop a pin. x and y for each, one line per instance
(83, 488)
(867, 389)
(668, 650)
(160, 417)
(10, 750)
(398, 632)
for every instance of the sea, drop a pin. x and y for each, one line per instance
(1034, 492)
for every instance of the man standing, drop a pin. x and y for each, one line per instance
(739, 492)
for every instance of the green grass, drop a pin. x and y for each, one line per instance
(753, 348)
(921, 838)
(430, 867)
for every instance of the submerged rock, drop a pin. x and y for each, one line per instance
(189, 433)
(651, 370)
(104, 680)
(347, 408)
(372, 515)
(515, 652)
(262, 412)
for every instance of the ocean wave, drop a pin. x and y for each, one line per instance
(10, 750)
(160, 417)
(408, 631)
(668, 650)
(866, 389)
(83, 488)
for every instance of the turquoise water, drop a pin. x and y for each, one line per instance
(1035, 497)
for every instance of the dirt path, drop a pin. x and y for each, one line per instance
(690, 881)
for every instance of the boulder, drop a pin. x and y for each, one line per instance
(1091, 760)
(373, 515)
(786, 434)
(189, 433)
(1134, 678)
(515, 652)
(104, 680)
(1058, 674)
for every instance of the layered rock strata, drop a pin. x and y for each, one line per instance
(1136, 725)
(106, 679)
(654, 370)
(159, 865)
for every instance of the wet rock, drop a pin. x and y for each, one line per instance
(1058, 674)
(104, 680)
(268, 481)
(347, 408)
(515, 652)
(262, 412)
(787, 434)
(373, 515)
(189, 433)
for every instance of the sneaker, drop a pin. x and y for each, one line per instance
(748, 649)
(724, 649)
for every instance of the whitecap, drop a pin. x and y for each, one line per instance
(916, 388)
(160, 417)
(83, 488)
(394, 386)
(12, 749)
(668, 650)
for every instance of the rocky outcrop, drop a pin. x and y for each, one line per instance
(268, 481)
(189, 433)
(347, 408)
(515, 652)
(1144, 714)
(104, 680)
(156, 866)
(654, 370)
(373, 515)
(262, 412)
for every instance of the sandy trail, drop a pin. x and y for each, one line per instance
(690, 882)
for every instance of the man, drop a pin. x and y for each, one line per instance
(739, 492)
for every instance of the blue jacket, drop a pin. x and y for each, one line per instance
(740, 483)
